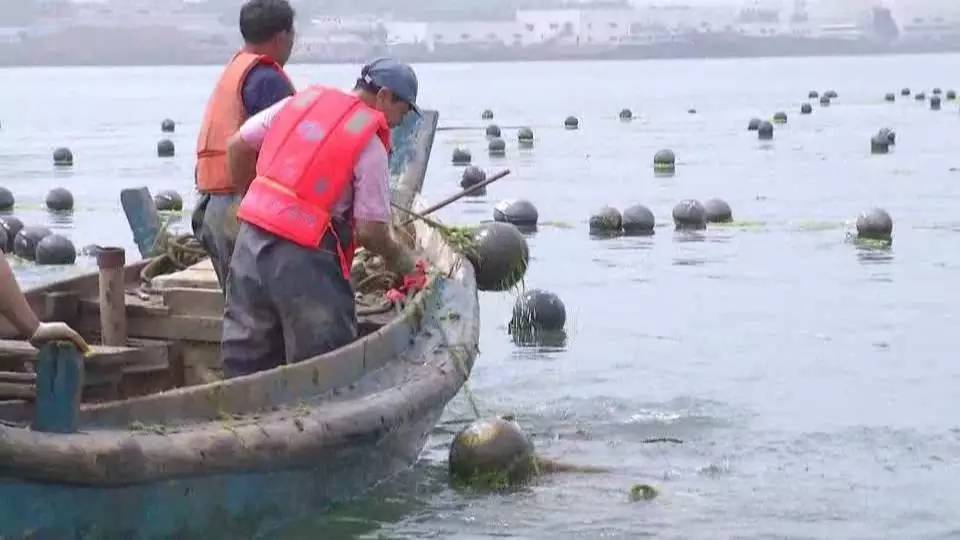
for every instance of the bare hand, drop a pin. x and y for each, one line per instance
(57, 331)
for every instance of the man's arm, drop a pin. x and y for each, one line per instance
(371, 208)
(241, 162)
(378, 238)
(14, 307)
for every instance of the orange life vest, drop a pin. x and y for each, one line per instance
(305, 164)
(224, 116)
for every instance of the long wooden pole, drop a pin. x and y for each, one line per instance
(458, 196)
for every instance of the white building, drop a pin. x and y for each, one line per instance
(476, 33)
(925, 18)
(550, 25)
(406, 33)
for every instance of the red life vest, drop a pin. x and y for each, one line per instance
(223, 117)
(305, 164)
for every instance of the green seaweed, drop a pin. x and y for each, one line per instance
(816, 226)
(743, 225)
(158, 429)
(873, 243)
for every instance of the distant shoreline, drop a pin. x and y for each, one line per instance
(706, 50)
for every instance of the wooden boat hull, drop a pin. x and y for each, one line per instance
(239, 457)
(220, 506)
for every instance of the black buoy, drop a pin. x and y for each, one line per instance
(56, 249)
(765, 132)
(937, 91)
(891, 97)
(717, 211)
(830, 94)
(691, 111)
(499, 256)
(62, 157)
(754, 124)
(519, 212)
(461, 156)
(492, 454)
(905, 92)
(538, 310)
(472, 176)
(493, 130)
(665, 161)
(606, 222)
(487, 115)
(951, 95)
(806, 108)
(813, 94)
(626, 115)
(525, 137)
(168, 126)
(890, 134)
(59, 200)
(11, 226)
(824, 101)
(6, 199)
(879, 144)
(780, 118)
(497, 147)
(165, 148)
(168, 200)
(689, 215)
(638, 220)
(25, 243)
(935, 103)
(571, 122)
(920, 97)
(875, 224)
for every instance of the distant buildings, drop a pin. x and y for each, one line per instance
(200, 31)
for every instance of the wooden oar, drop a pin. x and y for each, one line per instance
(415, 216)
(454, 198)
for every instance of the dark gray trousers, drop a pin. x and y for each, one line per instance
(285, 303)
(218, 232)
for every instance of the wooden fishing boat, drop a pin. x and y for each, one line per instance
(144, 440)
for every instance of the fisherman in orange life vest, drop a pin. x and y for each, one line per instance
(253, 81)
(317, 169)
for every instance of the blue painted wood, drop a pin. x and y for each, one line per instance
(59, 386)
(218, 506)
(142, 216)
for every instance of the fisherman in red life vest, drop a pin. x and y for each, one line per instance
(315, 173)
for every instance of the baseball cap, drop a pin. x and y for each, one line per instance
(397, 76)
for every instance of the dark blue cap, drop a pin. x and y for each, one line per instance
(397, 76)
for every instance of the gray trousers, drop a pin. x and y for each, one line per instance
(285, 303)
(218, 232)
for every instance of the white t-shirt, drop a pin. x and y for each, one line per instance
(369, 193)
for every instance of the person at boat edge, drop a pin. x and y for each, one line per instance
(314, 171)
(15, 308)
(252, 81)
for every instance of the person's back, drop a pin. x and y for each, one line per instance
(252, 81)
(321, 179)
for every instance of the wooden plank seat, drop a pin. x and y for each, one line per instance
(109, 372)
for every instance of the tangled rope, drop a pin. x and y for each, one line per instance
(172, 253)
